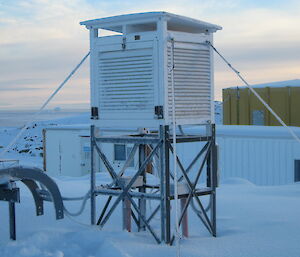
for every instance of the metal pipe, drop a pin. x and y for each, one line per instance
(139, 195)
(92, 178)
(104, 210)
(128, 140)
(162, 163)
(142, 189)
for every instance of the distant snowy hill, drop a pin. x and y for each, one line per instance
(30, 143)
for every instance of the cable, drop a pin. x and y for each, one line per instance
(207, 208)
(83, 224)
(46, 196)
(16, 138)
(256, 94)
(181, 130)
(73, 198)
(177, 232)
(69, 214)
(79, 212)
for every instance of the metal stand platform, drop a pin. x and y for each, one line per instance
(133, 193)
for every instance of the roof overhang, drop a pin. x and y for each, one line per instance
(174, 22)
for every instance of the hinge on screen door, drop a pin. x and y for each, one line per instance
(94, 113)
(124, 43)
(159, 112)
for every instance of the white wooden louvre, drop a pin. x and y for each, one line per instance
(192, 83)
(126, 80)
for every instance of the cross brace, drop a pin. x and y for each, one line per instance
(161, 147)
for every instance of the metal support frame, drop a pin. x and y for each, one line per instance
(161, 148)
(142, 189)
(12, 220)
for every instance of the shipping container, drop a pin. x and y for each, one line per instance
(242, 107)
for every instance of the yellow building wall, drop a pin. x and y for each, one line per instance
(226, 106)
(279, 102)
(241, 106)
(295, 106)
(255, 105)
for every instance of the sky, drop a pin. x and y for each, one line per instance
(41, 41)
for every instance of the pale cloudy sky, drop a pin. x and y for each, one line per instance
(41, 41)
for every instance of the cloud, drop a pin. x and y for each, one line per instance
(262, 43)
(20, 83)
(19, 88)
(42, 41)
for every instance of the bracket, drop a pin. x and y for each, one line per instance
(30, 177)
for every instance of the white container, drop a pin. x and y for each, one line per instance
(131, 72)
(67, 150)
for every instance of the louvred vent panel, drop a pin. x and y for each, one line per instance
(126, 80)
(191, 83)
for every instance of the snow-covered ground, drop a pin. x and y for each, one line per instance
(252, 221)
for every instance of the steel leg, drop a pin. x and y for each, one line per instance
(142, 202)
(93, 183)
(167, 185)
(162, 186)
(214, 171)
(12, 220)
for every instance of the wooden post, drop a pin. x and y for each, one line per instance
(126, 214)
(185, 225)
